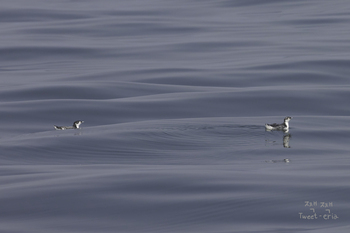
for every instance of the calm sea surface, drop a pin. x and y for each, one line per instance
(174, 96)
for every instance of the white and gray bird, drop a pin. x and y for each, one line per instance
(283, 126)
(76, 125)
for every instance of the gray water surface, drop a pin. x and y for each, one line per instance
(174, 96)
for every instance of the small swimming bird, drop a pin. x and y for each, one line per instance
(76, 125)
(278, 161)
(283, 126)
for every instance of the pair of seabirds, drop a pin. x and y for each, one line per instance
(284, 126)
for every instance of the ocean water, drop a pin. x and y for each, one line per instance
(174, 96)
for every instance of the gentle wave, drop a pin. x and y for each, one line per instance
(184, 141)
